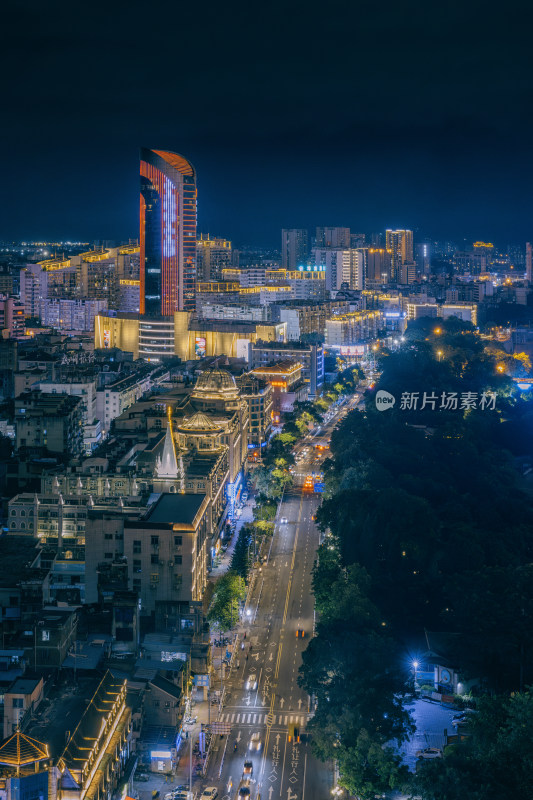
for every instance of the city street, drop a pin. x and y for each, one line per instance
(263, 699)
(281, 604)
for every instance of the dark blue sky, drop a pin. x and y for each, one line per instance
(349, 113)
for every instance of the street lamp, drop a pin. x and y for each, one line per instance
(439, 353)
(415, 667)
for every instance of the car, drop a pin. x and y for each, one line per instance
(209, 794)
(255, 742)
(284, 520)
(251, 683)
(429, 752)
(300, 633)
(248, 769)
(462, 722)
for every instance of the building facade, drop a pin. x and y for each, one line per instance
(294, 247)
(167, 233)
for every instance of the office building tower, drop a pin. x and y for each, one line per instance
(333, 237)
(378, 264)
(529, 261)
(213, 256)
(294, 247)
(167, 233)
(400, 245)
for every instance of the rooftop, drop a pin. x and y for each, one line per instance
(16, 552)
(176, 509)
(24, 685)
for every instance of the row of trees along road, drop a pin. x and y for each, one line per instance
(270, 480)
(430, 527)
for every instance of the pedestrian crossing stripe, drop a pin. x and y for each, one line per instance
(263, 719)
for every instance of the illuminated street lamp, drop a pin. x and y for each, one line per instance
(439, 353)
(415, 667)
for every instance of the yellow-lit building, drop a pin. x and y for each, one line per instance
(182, 335)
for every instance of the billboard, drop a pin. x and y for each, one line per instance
(107, 337)
(199, 346)
(353, 350)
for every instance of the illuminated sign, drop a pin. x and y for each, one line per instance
(353, 350)
(107, 338)
(393, 314)
(161, 754)
(199, 346)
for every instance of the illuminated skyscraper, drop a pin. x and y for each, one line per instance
(400, 246)
(167, 233)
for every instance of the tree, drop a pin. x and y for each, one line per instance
(223, 611)
(240, 560)
(494, 762)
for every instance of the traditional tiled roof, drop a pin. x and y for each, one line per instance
(20, 749)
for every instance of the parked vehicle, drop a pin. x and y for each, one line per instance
(209, 794)
(429, 752)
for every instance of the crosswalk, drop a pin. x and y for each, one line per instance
(261, 719)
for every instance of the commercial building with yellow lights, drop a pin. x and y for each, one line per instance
(288, 386)
(182, 335)
(353, 328)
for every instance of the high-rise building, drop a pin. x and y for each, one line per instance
(333, 237)
(294, 247)
(529, 261)
(167, 233)
(378, 265)
(212, 257)
(400, 245)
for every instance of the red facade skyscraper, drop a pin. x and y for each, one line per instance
(167, 233)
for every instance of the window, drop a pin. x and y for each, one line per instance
(154, 577)
(22, 513)
(108, 536)
(45, 636)
(136, 566)
(18, 702)
(108, 555)
(154, 558)
(137, 544)
(137, 584)
(178, 560)
(178, 540)
(154, 541)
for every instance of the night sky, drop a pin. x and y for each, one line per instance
(364, 114)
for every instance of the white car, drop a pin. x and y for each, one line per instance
(209, 794)
(255, 742)
(429, 752)
(284, 520)
(251, 683)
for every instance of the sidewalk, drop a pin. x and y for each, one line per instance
(205, 711)
(225, 561)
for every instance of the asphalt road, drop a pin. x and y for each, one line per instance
(280, 604)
